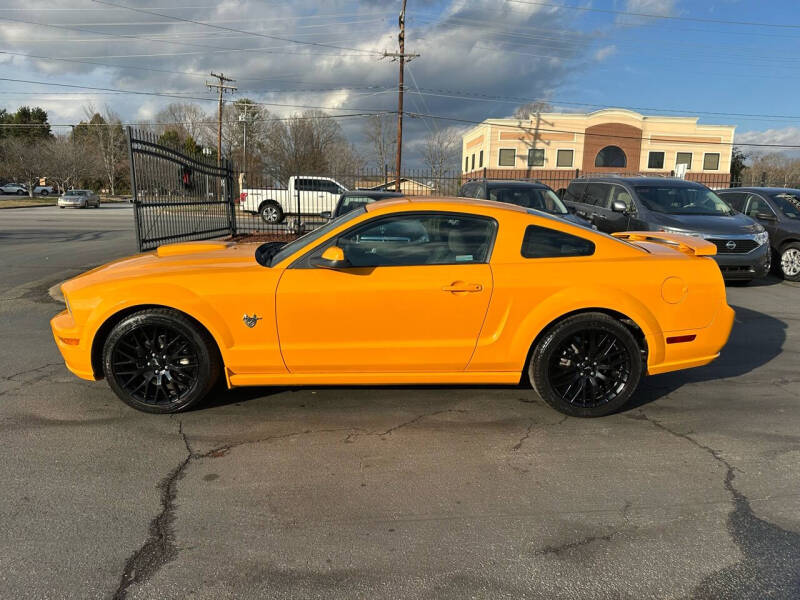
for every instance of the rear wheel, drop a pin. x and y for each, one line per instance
(790, 261)
(20, 192)
(588, 365)
(159, 361)
(271, 213)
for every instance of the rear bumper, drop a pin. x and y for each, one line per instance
(745, 266)
(72, 204)
(75, 350)
(702, 350)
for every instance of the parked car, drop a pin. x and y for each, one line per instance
(354, 199)
(778, 210)
(528, 194)
(43, 190)
(678, 206)
(303, 196)
(414, 291)
(14, 188)
(79, 199)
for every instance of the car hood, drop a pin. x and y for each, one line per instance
(202, 257)
(735, 224)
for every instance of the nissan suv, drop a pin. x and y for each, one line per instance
(615, 204)
(778, 210)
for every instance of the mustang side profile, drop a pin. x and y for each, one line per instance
(402, 291)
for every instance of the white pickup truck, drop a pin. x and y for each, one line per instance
(304, 195)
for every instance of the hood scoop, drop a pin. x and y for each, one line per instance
(183, 248)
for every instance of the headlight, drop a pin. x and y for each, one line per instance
(762, 238)
(681, 231)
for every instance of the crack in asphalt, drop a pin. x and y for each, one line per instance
(351, 436)
(566, 547)
(13, 378)
(159, 548)
(525, 436)
(770, 567)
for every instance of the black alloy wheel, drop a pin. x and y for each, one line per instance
(158, 360)
(588, 365)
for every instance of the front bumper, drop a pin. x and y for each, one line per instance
(76, 350)
(70, 204)
(743, 267)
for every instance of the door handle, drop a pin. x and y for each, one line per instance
(461, 286)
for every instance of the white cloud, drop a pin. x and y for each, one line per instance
(789, 136)
(661, 8)
(603, 53)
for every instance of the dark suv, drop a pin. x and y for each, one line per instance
(778, 210)
(676, 206)
(528, 194)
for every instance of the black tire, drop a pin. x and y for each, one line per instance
(20, 192)
(271, 212)
(159, 361)
(566, 371)
(788, 261)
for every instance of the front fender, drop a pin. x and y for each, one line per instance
(576, 299)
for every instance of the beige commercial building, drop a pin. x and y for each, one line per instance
(609, 140)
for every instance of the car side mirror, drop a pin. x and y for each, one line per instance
(766, 217)
(331, 258)
(326, 214)
(619, 206)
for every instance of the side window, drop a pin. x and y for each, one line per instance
(597, 194)
(540, 242)
(303, 185)
(419, 239)
(757, 205)
(735, 199)
(620, 194)
(575, 192)
(467, 190)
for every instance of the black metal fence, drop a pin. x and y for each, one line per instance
(179, 197)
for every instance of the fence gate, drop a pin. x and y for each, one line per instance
(177, 196)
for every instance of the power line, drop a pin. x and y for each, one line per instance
(656, 16)
(224, 28)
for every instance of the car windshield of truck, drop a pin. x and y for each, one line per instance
(529, 197)
(677, 200)
(788, 204)
(314, 235)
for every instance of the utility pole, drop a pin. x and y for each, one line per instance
(222, 88)
(402, 57)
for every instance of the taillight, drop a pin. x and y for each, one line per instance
(242, 197)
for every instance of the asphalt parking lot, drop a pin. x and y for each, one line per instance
(692, 492)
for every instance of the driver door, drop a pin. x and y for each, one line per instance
(412, 297)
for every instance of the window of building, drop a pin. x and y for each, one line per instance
(480, 159)
(466, 163)
(541, 242)
(711, 161)
(536, 157)
(611, 156)
(655, 160)
(508, 157)
(564, 158)
(473, 162)
(684, 158)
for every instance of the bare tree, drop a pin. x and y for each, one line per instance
(26, 160)
(107, 138)
(441, 150)
(186, 118)
(67, 163)
(381, 132)
(531, 109)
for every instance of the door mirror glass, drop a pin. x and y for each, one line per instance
(619, 206)
(325, 214)
(765, 217)
(331, 258)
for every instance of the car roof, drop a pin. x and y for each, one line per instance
(640, 180)
(520, 182)
(445, 203)
(768, 190)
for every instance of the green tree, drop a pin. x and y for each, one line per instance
(738, 158)
(27, 123)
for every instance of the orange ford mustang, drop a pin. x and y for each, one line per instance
(403, 291)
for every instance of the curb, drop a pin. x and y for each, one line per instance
(55, 292)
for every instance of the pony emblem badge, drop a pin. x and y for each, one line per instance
(251, 321)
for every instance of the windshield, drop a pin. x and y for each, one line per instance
(676, 200)
(350, 203)
(788, 204)
(314, 235)
(529, 197)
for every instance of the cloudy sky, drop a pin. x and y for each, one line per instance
(479, 58)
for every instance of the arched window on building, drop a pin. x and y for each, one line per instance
(611, 156)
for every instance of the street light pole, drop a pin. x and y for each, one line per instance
(243, 120)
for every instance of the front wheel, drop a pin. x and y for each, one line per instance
(588, 365)
(790, 261)
(271, 213)
(159, 361)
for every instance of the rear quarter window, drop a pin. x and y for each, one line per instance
(541, 242)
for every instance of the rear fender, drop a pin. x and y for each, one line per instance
(582, 299)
